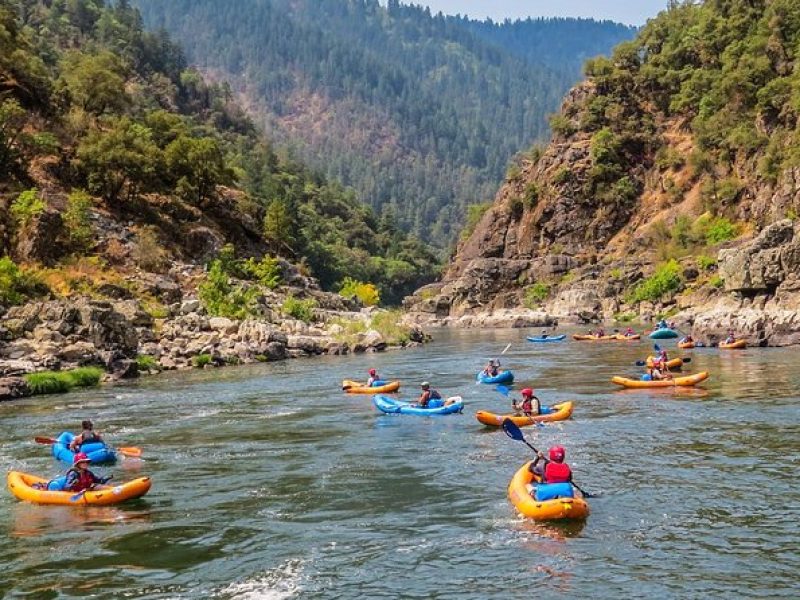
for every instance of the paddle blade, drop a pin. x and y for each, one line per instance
(640, 363)
(44, 440)
(77, 496)
(656, 347)
(687, 359)
(502, 389)
(131, 451)
(512, 431)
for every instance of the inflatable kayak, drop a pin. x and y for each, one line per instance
(664, 333)
(593, 338)
(549, 338)
(356, 387)
(688, 380)
(674, 365)
(21, 485)
(685, 345)
(438, 406)
(557, 412)
(97, 452)
(557, 501)
(737, 345)
(502, 377)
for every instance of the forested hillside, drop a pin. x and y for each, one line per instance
(418, 113)
(115, 157)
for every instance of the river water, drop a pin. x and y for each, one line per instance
(270, 483)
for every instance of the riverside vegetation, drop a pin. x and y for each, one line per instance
(144, 218)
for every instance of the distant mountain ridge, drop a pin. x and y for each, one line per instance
(419, 113)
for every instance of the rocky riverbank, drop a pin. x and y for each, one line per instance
(122, 338)
(753, 288)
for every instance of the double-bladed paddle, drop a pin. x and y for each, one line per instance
(642, 363)
(82, 493)
(515, 433)
(129, 451)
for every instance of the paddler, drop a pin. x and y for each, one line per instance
(529, 405)
(492, 368)
(427, 395)
(79, 477)
(373, 377)
(87, 436)
(555, 470)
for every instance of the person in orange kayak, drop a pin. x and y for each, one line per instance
(555, 470)
(731, 337)
(373, 377)
(87, 436)
(79, 477)
(629, 332)
(427, 395)
(529, 405)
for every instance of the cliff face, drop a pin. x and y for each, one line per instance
(642, 179)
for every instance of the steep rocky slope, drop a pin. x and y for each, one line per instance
(662, 168)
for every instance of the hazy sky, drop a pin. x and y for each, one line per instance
(633, 12)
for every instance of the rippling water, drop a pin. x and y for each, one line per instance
(270, 483)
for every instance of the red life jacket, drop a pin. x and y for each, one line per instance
(84, 482)
(557, 473)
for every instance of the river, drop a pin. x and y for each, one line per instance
(271, 483)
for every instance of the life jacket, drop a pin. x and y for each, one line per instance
(88, 436)
(527, 406)
(428, 396)
(84, 482)
(557, 473)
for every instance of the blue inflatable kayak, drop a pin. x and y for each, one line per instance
(663, 334)
(97, 452)
(391, 406)
(549, 338)
(501, 377)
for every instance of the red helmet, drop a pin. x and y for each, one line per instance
(527, 392)
(79, 457)
(557, 454)
(372, 371)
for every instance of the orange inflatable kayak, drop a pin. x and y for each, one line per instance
(561, 412)
(21, 485)
(356, 387)
(737, 345)
(519, 492)
(688, 380)
(617, 337)
(675, 364)
(685, 345)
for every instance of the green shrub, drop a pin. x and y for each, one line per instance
(366, 293)
(26, 206)
(85, 376)
(145, 362)
(48, 382)
(221, 298)
(667, 279)
(474, 214)
(76, 218)
(535, 294)
(532, 195)
(704, 262)
(261, 358)
(16, 284)
(720, 230)
(58, 382)
(513, 173)
(561, 125)
(388, 324)
(562, 176)
(716, 281)
(201, 360)
(267, 271)
(148, 253)
(615, 273)
(302, 310)
(624, 317)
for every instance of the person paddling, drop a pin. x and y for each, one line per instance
(87, 436)
(373, 377)
(544, 334)
(687, 339)
(79, 477)
(731, 337)
(492, 368)
(427, 395)
(529, 405)
(554, 470)
(629, 332)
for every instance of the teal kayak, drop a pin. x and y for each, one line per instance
(663, 334)
(549, 338)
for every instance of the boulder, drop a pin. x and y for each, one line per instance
(224, 325)
(12, 388)
(40, 240)
(190, 306)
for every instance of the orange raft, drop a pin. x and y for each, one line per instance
(686, 381)
(617, 337)
(21, 485)
(548, 510)
(737, 345)
(561, 412)
(674, 364)
(356, 387)
(685, 345)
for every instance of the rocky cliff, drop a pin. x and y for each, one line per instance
(657, 194)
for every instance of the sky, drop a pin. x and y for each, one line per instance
(631, 12)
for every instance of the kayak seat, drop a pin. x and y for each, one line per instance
(551, 491)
